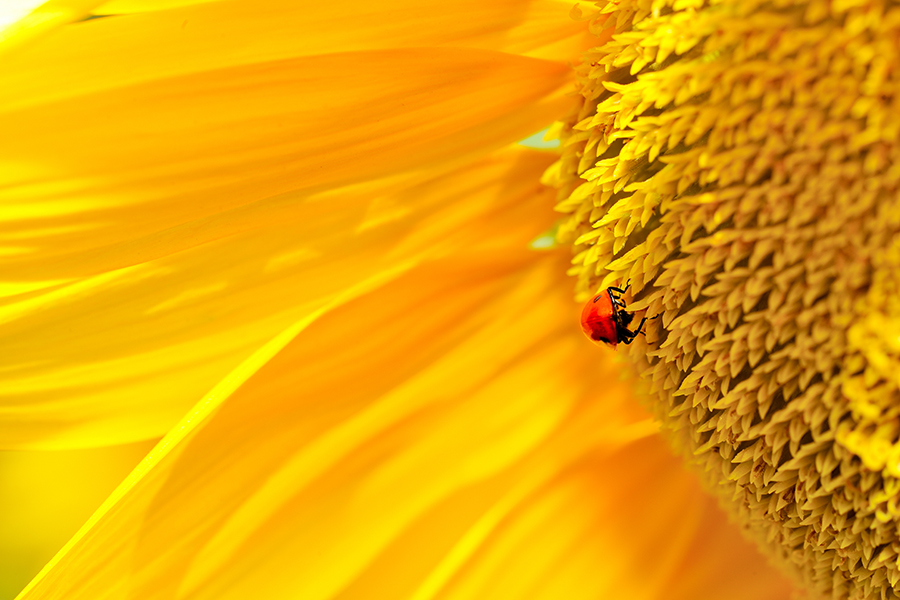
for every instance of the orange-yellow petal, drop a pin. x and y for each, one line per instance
(447, 435)
(124, 7)
(122, 356)
(116, 178)
(124, 50)
(46, 496)
(156, 229)
(23, 21)
(612, 522)
(448, 346)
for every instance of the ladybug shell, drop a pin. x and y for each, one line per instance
(598, 320)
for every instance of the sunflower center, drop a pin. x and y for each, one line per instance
(739, 162)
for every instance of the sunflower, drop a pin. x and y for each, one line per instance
(299, 245)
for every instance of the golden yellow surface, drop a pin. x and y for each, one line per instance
(47, 496)
(738, 162)
(295, 239)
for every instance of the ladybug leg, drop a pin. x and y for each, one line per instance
(617, 300)
(623, 335)
(622, 291)
(640, 327)
(626, 336)
(615, 294)
(630, 337)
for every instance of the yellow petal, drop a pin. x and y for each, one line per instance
(400, 357)
(149, 243)
(13, 11)
(116, 51)
(120, 177)
(124, 7)
(448, 434)
(46, 496)
(547, 31)
(23, 21)
(623, 522)
(122, 355)
(280, 28)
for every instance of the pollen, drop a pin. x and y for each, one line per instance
(739, 162)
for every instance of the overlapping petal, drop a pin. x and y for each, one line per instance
(104, 181)
(445, 435)
(23, 21)
(197, 37)
(413, 416)
(47, 496)
(122, 356)
(161, 218)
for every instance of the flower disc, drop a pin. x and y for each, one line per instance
(739, 161)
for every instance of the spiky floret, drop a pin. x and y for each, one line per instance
(739, 161)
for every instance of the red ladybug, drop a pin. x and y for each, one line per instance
(605, 321)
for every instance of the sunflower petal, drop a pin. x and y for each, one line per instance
(122, 356)
(46, 497)
(548, 31)
(124, 7)
(26, 20)
(371, 360)
(622, 522)
(198, 37)
(442, 435)
(247, 134)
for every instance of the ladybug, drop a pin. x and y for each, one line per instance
(604, 319)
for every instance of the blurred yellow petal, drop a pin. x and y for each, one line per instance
(113, 52)
(22, 21)
(548, 32)
(401, 362)
(624, 522)
(46, 496)
(121, 356)
(245, 134)
(123, 7)
(296, 207)
(443, 435)
(136, 272)
(13, 11)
